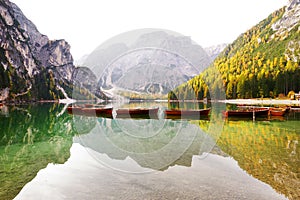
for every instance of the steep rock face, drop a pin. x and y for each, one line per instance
(289, 20)
(31, 65)
(57, 54)
(85, 78)
(35, 39)
(24, 46)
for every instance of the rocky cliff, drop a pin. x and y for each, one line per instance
(31, 65)
(290, 18)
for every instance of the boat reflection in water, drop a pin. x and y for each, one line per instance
(153, 144)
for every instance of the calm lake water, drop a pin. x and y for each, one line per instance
(46, 153)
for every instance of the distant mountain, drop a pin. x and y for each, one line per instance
(32, 67)
(262, 62)
(100, 58)
(155, 63)
(214, 51)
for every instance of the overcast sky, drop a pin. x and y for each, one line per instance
(87, 24)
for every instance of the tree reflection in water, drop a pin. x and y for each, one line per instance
(31, 136)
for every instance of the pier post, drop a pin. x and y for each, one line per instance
(253, 113)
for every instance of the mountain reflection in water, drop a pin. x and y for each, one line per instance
(153, 144)
(83, 177)
(174, 151)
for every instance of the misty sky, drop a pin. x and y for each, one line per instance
(87, 24)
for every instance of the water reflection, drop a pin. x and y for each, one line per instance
(34, 135)
(31, 136)
(267, 150)
(214, 177)
(153, 144)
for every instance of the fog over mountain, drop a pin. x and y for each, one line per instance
(156, 62)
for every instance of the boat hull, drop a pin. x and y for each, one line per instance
(247, 113)
(182, 114)
(137, 113)
(91, 112)
(277, 111)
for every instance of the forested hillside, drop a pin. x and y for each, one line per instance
(262, 62)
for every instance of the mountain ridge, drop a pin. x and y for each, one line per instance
(32, 67)
(262, 62)
(157, 61)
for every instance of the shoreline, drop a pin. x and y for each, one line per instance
(227, 101)
(262, 101)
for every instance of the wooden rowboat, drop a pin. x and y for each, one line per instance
(97, 112)
(135, 112)
(277, 111)
(180, 113)
(247, 112)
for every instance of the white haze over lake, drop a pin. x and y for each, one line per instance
(87, 24)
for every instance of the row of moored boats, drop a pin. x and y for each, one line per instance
(242, 111)
(136, 112)
(248, 111)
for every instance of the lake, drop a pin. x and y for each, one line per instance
(47, 153)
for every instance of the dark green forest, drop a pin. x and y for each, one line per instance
(21, 87)
(42, 86)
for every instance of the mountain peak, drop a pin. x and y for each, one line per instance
(290, 18)
(156, 62)
(293, 3)
(31, 65)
